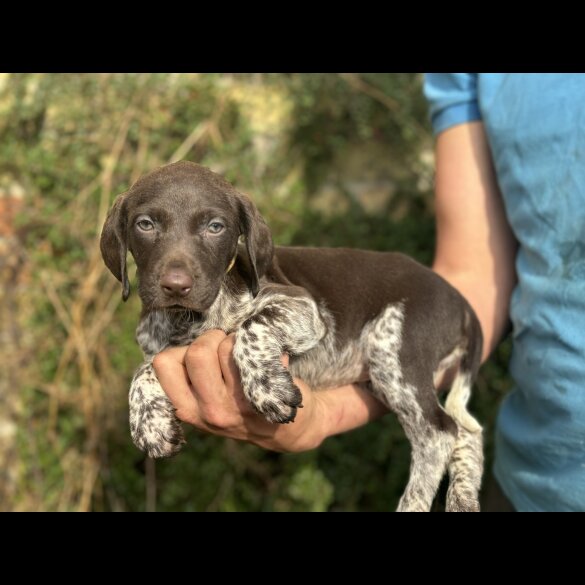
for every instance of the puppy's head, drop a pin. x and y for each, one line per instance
(182, 223)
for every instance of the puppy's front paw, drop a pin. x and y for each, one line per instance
(273, 395)
(153, 425)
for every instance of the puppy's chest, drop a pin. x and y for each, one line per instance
(160, 329)
(330, 363)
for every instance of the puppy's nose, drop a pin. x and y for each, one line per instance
(176, 282)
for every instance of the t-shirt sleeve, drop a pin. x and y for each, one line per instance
(452, 98)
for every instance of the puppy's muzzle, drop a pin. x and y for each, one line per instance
(176, 282)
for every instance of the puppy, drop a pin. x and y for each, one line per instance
(206, 260)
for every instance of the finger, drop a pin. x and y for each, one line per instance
(203, 368)
(285, 358)
(172, 375)
(226, 361)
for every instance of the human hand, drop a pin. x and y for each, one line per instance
(203, 383)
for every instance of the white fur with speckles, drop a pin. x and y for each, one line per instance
(280, 324)
(153, 424)
(431, 448)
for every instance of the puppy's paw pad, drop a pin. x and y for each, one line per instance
(277, 412)
(276, 398)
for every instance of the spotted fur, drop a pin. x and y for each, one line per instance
(266, 327)
(431, 446)
(466, 464)
(153, 425)
(282, 324)
(465, 470)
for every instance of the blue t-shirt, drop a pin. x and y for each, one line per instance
(535, 124)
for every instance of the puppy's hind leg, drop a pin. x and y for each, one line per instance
(466, 465)
(432, 435)
(430, 430)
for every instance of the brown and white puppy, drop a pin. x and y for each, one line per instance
(205, 260)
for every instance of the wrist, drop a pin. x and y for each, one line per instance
(319, 426)
(330, 412)
(314, 426)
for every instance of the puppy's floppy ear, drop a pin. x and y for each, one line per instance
(113, 243)
(259, 244)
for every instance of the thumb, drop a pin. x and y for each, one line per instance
(284, 358)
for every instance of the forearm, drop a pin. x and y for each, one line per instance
(346, 408)
(489, 303)
(475, 246)
(331, 412)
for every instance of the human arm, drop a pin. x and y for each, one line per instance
(203, 383)
(476, 248)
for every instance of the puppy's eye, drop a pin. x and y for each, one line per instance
(145, 225)
(215, 227)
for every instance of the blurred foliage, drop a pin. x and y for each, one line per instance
(304, 146)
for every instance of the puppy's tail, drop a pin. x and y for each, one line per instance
(456, 403)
